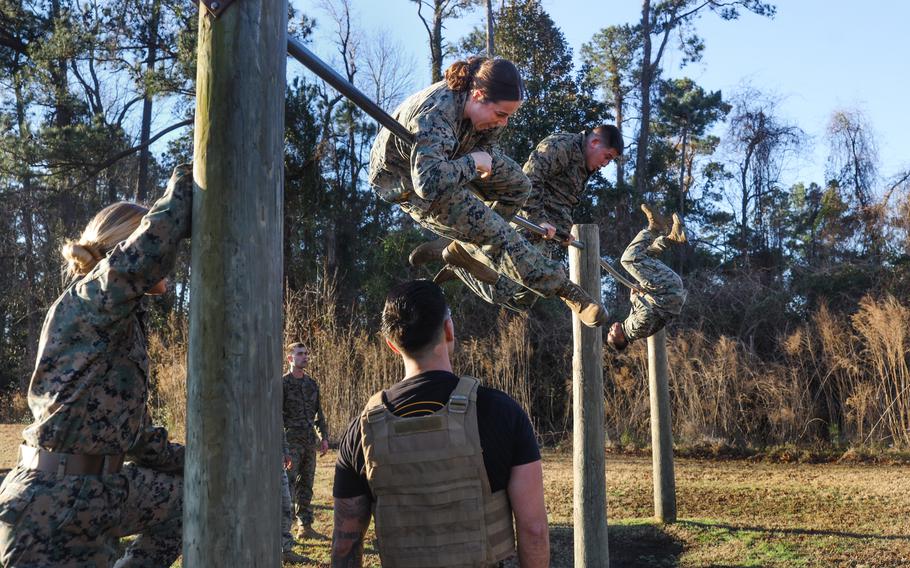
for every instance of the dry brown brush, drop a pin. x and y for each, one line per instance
(837, 379)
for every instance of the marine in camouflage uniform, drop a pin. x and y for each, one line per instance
(558, 175)
(303, 417)
(88, 395)
(664, 292)
(436, 183)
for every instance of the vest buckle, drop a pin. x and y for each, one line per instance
(458, 403)
(376, 414)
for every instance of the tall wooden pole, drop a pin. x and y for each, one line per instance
(590, 495)
(661, 429)
(232, 476)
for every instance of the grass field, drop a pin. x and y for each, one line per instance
(733, 513)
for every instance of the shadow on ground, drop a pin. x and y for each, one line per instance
(631, 546)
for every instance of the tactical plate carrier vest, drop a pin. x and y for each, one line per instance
(434, 507)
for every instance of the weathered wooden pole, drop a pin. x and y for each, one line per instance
(231, 484)
(661, 429)
(590, 495)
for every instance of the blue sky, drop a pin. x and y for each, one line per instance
(816, 56)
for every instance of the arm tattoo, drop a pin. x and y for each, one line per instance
(352, 517)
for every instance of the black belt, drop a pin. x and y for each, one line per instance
(39, 459)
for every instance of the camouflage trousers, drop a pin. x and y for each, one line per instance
(505, 292)
(287, 540)
(665, 294)
(77, 520)
(301, 476)
(477, 215)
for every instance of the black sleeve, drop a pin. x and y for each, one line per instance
(506, 436)
(525, 450)
(350, 467)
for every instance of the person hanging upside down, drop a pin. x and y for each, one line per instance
(664, 294)
(455, 181)
(559, 169)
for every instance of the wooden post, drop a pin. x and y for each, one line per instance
(232, 474)
(590, 495)
(661, 429)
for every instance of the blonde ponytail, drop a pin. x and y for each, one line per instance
(109, 227)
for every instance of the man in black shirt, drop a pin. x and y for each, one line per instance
(417, 326)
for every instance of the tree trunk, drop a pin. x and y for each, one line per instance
(26, 211)
(58, 70)
(142, 180)
(436, 43)
(490, 51)
(647, 70)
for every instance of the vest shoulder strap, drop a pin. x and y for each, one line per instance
(375, 409)
(465, 392)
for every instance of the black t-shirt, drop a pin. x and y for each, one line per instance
(506, 435)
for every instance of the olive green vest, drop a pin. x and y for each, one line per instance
(433, 505)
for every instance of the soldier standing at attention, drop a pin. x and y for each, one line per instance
(303, 416)
(664, 292)
(71, 497)
(559, 169)
(443, 463)
(455, 181)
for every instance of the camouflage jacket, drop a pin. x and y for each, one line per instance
(302, 410)
(558, 176)
(438, 160)
(89, 390)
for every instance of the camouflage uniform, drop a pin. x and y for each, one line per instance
(558, 175)
(665, 293)
(303, 416)
(436, 182)
(88, 395)
(287, 540)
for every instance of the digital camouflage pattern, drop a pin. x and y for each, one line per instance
(437, 184)
(665, 292)
(88, 395)
(558, 175)
(287, 539)
(303, 417)
(304, 421)
(77, 520)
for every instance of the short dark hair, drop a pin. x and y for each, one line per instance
(618, 345)
(294, 345)
(609, 135)
(413, 316)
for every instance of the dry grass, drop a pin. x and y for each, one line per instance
(732, 513)
(14, 408)
(838, 381)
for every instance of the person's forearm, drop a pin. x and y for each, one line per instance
(534, 546)
(352, 517)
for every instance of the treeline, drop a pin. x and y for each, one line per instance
(90, 87)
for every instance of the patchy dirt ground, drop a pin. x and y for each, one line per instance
(10, 438)
(731, 513)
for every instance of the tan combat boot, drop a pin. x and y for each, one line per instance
(591, 313)
(428, 252)
(444, 275)
(678, 232)
(657, 223)
(455, 255)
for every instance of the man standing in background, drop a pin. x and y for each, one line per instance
(306, 430)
